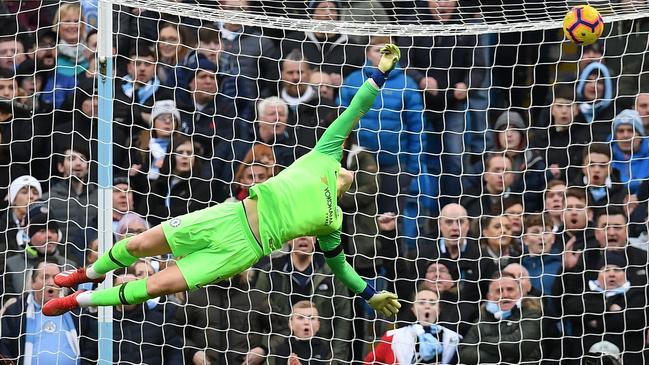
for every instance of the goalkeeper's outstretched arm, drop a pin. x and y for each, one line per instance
(331, 142)
(384, 302)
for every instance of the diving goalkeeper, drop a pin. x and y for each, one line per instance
(216, 243)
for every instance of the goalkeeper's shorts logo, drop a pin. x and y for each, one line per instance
(174, 222)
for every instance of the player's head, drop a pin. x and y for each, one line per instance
(304, 322)
(426, 307)
(344, 181)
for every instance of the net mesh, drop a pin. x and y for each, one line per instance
(500, 188)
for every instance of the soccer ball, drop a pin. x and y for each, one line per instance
(583, 25)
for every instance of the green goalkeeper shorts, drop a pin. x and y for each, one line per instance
(212, 244)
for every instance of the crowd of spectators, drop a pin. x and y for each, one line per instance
(503, 194)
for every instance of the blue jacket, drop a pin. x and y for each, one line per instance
(543, 270)
(633, 169)
(392, 128)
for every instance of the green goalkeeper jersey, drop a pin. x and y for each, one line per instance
(302, 200)
(299, 201)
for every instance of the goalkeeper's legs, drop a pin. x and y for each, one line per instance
(124, 253)
(168, 281)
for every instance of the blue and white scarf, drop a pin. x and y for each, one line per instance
(32, 332)
(144, 92)
(595, 286)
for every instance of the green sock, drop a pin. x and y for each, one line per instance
(133, 292)
(118, 256)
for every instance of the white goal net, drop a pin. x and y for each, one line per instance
(501, 177)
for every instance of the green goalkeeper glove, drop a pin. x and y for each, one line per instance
(391, 55)
(385, 302)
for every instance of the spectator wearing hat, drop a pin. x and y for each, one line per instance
(630, 149)
(604, 353)
(44, 237)
(595, 92)
(611, 309)
(528, 165)
(72, 200)
(138, 90)
(153, 144)
(22, 192)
